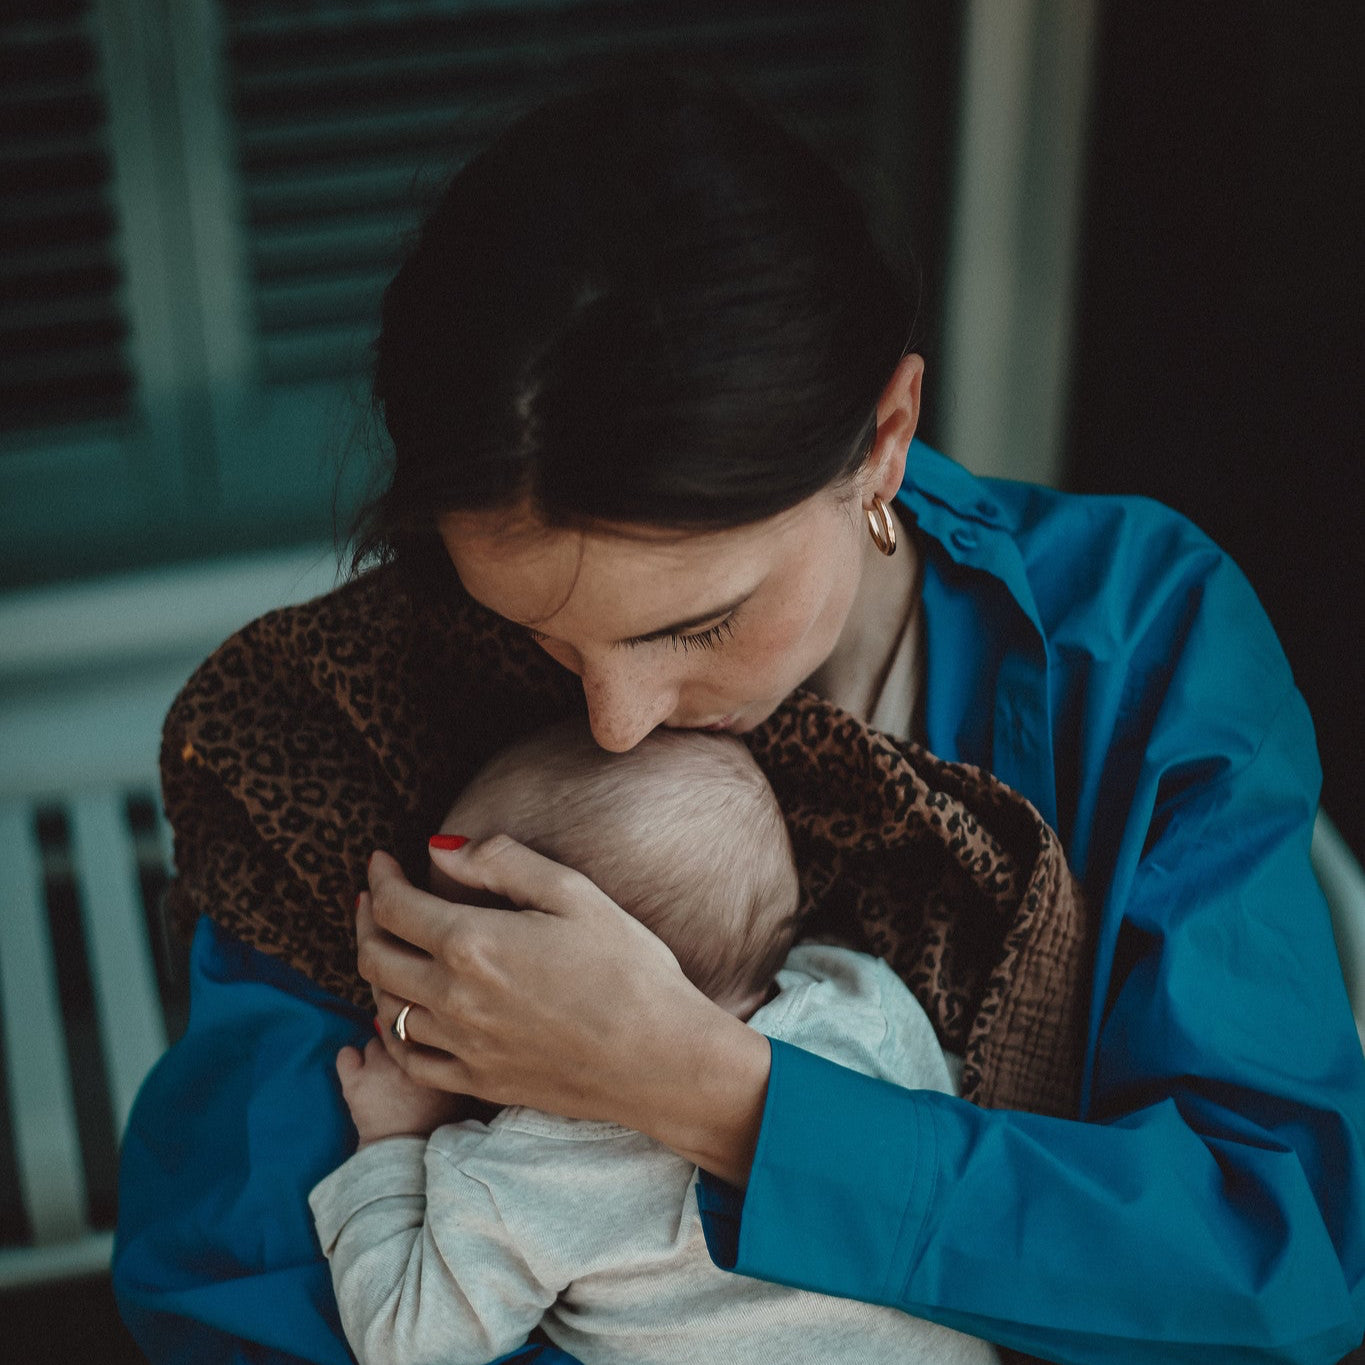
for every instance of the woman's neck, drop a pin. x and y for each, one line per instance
(888, 594)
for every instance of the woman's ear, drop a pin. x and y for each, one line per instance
(897, 419)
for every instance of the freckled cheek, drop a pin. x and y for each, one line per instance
(800, 627)
(772, 658)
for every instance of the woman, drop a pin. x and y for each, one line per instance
(653, 414)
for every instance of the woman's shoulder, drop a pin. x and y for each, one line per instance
(1098, 569)
(1116, 537)
(323, 665)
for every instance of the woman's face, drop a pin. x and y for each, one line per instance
(707, 631)
(704, 631)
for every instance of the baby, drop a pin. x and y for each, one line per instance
(456, 1245)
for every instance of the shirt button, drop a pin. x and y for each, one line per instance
(986, 509)
(964, 538)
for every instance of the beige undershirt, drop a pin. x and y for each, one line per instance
(896, 708)
(885, 629)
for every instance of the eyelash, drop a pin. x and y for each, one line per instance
(710, 638)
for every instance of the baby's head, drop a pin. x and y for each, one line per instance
(682, 831)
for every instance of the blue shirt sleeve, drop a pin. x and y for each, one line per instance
(1211, 1207)
(215, 1259)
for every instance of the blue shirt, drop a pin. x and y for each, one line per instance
(1104, 658)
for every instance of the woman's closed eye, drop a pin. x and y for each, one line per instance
(710, 638)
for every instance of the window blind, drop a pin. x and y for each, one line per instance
(349, 114)
(62, 324)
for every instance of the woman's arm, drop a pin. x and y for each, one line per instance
(216, 1261)
(568, 1005)
(1212, 1208)
(1214, 1211)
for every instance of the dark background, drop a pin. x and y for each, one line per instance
(1218, 343)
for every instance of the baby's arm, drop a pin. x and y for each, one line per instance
(423, 1267)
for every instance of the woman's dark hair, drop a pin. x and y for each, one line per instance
(647, 302)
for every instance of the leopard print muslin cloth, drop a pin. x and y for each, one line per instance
(324, 731)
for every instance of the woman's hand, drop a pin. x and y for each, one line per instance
(568, 1005)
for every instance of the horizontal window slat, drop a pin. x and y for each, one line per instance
(39, 265)
(93, 223)
(322, 254)
(329, 191)
(102, 396)
(42, 21)
(419, 64)
(35, 169)
(31, 211)
(76, 114)
(316, 353)
(276, 26)
(350, 299)
(53, 314)
(441, 143)
(332, 134)
(43, 354)
(37, 66)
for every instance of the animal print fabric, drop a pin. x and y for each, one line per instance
(321, 732)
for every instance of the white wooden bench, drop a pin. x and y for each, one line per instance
(86, 675)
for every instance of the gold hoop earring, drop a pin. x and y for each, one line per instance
(881, 527)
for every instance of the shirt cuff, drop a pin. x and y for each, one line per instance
(390, 1168)
(841, 1178)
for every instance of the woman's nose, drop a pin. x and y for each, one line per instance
(625, 705)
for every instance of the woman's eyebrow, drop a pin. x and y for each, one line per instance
(680, 627)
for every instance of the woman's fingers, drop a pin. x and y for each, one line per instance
(391, 965)
(402, 910)
(502, 867)
(435, 1069)
(539, 1006)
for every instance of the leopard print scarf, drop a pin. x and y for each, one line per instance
(324, 731)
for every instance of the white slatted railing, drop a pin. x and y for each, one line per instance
(43, 1113)
(132, 1029)
(86, 675)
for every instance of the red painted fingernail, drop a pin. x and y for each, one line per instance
(378, 1027)
(358, 895)
(448, 841)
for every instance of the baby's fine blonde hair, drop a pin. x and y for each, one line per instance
(682, 831)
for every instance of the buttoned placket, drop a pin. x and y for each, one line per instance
(951, 506)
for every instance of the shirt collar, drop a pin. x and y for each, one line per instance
(970, 520)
